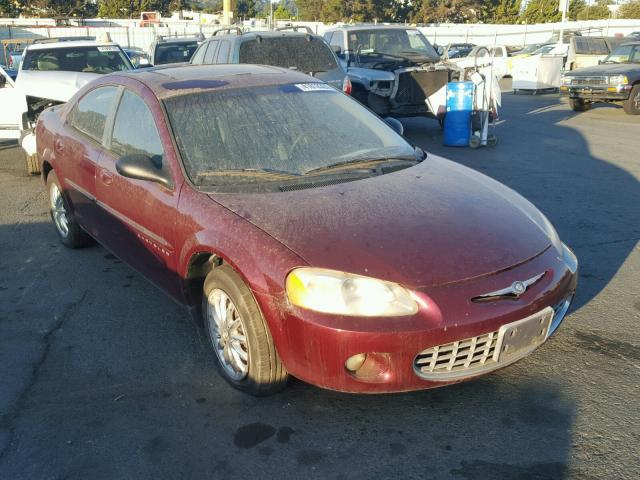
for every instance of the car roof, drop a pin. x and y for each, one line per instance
(188, 39)
(69, 44)
(264, 34)
(352, 28)
(173, 80)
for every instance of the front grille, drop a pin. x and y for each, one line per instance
(415, 86)
(484, 353)
(590, 81)
(461, 356)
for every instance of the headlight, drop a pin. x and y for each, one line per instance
(618, 80)
(340, 293)
(566, 80)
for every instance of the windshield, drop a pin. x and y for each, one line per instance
(459, 51)
(174, 52)
(277, 132)
(394, 42)
(294, 52)
(97, 59)
(624, 54)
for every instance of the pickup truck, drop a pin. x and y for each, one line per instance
(615, 79)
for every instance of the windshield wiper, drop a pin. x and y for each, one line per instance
(249, 172)
(370, 161)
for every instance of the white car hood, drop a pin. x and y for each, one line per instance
(59, 86)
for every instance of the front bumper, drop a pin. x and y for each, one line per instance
(314, 347)
(597, 94)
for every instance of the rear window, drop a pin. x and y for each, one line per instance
(305, 54)
(102, 60)
(591, 46)
(174, 52)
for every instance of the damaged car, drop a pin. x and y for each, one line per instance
(51, 72)
(393, 69)
(309, 236)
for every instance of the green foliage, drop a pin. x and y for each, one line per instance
(506, 11)
(10, 8)
(630, 10)
(595, 12)
(281, 13)
(539, 11)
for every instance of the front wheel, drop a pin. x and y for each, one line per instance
(579, 105)
(632, 104)
(237, 331)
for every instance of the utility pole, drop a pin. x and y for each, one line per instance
(564, 7)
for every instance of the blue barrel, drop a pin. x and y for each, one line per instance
(457, 123)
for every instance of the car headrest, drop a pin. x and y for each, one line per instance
(48, 62)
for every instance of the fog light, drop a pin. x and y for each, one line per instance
(354, 363)
(369, 367)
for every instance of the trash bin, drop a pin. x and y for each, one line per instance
(457, 123)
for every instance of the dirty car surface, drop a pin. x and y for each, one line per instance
(313, 240)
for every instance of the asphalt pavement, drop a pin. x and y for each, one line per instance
(104, 377)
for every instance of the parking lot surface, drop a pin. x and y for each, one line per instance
(103, 377)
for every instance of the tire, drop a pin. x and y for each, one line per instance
(632, 104)
(69, 231)
(33, 166)
(261, 373)
(579, 105)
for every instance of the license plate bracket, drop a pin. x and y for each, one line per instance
(517, 339)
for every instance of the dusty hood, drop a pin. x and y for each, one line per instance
(435, 223)
(60, 86)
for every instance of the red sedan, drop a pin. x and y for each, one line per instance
(311, 237)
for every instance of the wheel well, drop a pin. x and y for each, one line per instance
(200, 265)
(46, 168)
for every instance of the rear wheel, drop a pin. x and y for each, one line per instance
(632, 104)
(579, 105)
(69, 231)
(239, 335)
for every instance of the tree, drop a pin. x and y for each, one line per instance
(630, 10)
(455, 11)
(575, 7)
(281, 13)
(115, 9)
(541, 11)
(9, 8)
(595, 12)
(507, 11)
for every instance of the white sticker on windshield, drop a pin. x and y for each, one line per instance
(314, 87)
(108, 49)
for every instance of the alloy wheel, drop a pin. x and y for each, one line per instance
(59, 211)
(228, 334)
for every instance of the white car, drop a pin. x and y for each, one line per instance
(485, 56)
(51, 72)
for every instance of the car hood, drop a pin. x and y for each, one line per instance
(370, 74)
(605, 69)
(431, 224)
(59, 86)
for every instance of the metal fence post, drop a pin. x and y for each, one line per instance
(128, 38)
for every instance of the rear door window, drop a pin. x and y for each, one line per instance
(303, 53)
(198, 57)
(223, 52)
(211, 51)
(89, 116)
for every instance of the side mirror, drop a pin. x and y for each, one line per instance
(142, 167)
(395, 124)
(336, 49)
(600, 62)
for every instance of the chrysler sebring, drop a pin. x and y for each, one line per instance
(308, 234)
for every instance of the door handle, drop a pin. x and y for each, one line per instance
(59, 146)
(106, 177)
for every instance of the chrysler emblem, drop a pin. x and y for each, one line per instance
(516, 290)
